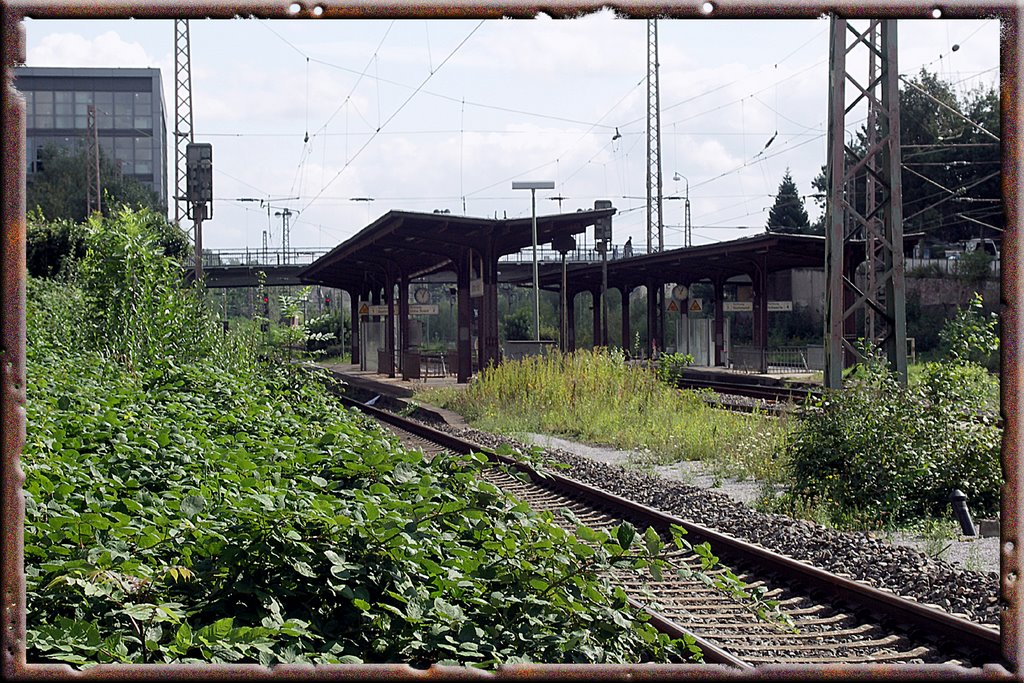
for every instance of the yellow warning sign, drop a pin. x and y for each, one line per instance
(695, 306)
(672, 307)
(364, 309)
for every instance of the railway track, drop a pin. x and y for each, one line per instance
(750, 389)
(834, 620)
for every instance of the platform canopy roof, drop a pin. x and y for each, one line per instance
(776, 251)
(420, 244)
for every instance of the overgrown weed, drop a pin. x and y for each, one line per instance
(596, 397)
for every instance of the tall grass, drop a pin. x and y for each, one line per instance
(596, 397)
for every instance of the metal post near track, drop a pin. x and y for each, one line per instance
(885, 294)
(533, 186)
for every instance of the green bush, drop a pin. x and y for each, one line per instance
(877, 454)
(186, 502)
(597, 397)
(799, 326)
(335, 324)
(671, 366)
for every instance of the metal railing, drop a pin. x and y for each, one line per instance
(583, 254)
(946, 266)
(778, 359)
(306, 255)
(226, 258)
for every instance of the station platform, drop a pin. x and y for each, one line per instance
(394, 393)
(397, 387)
(719, 374)
(382, 384)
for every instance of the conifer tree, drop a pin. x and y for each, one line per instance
(788, 215)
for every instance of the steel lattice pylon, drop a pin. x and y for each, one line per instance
(182, 115)
(93, 187)
(871, 217)
(654, 192)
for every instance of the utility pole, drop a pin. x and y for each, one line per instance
(602, 238)
(879, 220)
(285, 214)
(94, 188)
(654, 193)
(182, 116)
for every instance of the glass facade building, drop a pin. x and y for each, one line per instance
(129, 116)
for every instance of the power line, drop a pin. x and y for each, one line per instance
(471, 103)
(393, 115)
(958, 191)
(946, 106)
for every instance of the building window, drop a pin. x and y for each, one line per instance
(123, 104)
(143, 122)
(63, 96)
(123, 151)
(105, 102)
(65, 121)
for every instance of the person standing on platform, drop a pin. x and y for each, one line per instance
(627, 248)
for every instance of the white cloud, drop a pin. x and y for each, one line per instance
(74, 50)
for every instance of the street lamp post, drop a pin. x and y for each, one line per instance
(687, 239)
(533, 186)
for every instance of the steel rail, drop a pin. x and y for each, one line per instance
(886, 606)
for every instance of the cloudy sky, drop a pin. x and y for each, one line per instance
(430, 114)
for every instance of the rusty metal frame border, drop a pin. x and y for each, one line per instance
(12, 331)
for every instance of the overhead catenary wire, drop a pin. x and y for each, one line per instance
(942, 104)
(394, 114)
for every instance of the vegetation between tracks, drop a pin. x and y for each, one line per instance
(187, 501)
(879, 455)
(597, 397)
(871, 456)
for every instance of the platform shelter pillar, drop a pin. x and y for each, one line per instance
(463, 343)
(719, 321)
(595, 297)
(625, 290)
(389, 324)
(488, 329)
(354, 297)
(652, 317)
(403, 320)
(759, 278)
(570, 322)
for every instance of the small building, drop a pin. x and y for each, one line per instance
(130, 119)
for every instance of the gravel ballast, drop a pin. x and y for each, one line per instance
(864, 557)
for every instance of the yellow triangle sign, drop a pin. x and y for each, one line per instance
(364, 310)
(695, 306)
(672, 307)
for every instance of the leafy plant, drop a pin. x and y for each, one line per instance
(671, 366)
(134, 305)
(597, 397)
(879, 455)
(971, 336)
(186, 502)
(328, 332)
